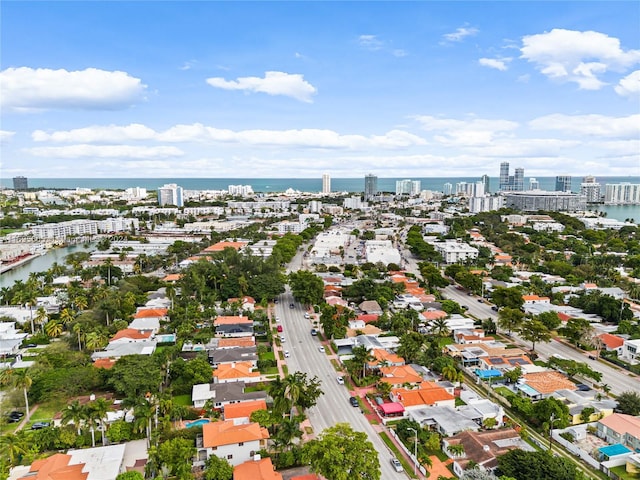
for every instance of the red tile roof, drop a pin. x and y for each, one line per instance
(132, 334)
(151, 313)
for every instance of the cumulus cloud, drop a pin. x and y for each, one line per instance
(497, 63)
(579, 57)
(27, 89)
(475, 131)
(629, 86)
(310, 138)
(273, 83)
(105, 151)
(5, 136)
(460, 34)
(589, 125)
(370, 42)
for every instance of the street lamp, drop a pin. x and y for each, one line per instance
(415, 450)
(551, 420)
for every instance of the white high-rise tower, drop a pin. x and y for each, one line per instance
(326, 183)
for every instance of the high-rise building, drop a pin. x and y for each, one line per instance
(504, 176)
(590, 189)
(487, 183)
(447, 188)
(563, 183)
(622, 194)
(326, 183)
(534, 184)
(410, 187)
(518, 180)
(170, 194)
(20, 183)
(370, 186)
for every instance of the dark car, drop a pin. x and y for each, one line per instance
(40, 425)
(582, 387)
(291, 305)
(30, 345)
(314, 332)
(494, 308)
(354, 402)
(15, 417)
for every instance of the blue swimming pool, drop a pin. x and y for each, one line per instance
(197, 423)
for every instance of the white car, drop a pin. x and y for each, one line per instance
(340, 380)
(321, 349)
(282, 339)
(397, 465)
(286, 354)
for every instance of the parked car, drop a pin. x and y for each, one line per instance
(291, 305)
(494, 308)
(354, 402)
(321, 349)
(282, 339)
(286, 354)
(340, 380)
(279, 328)
(15, 416)
(306, 315)
(314, 332)
(40, 425)
(396, 464)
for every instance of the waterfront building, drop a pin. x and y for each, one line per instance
(62, 230)
(591, 189)
(370, 186)
(486, 181)
(353, 203)
(511, 183)
(240, 190)
(408, 187)
(533, 201)
(485, 203)
(447, 188)
(326, 183)
(170, 194)
(518, 180)
(454, 251)
(622, 194)
(534, 184)
(20, 183)
(504, 176)
(563, 183)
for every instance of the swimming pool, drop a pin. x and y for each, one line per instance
(197, 423)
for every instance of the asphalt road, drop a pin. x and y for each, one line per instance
(618, 380)
(333, 407)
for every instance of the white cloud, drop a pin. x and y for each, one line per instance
(105, 151)
(370, 42)
(460, 34)
(497, 63)
(589, 125)
(629, 86)
(5, 136)
(27, 89)
(188, 65)
(309, 138)
(273, 83)
(472, 132)
(579, 57)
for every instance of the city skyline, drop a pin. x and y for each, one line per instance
(403, 89)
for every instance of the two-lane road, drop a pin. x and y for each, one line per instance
(333, 407)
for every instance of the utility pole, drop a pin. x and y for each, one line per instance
(415, 450)
(551, 420)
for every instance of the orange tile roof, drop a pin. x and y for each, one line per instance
(243, 409)
(56, 467)
(231, 320)
(245, 299)
(398, 375)
(368, 317)
(105, 363)
(381, 355)
(422, 396)
(229, 371)
(256, 470)
(151, 313)
(611, 341)
(433, 314)
(308, 476)
(172, 277)
(236, 342)
(131, 333)
(534, 297)
(220, 246)
(548, 381)
(216, 434)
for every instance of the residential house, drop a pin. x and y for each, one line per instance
(245, 303)
(445, 420)
(481, 410)
(236, 372)
(503, 364)
(256, 469)
(384, 358)
(428, 394)
(234, 443)
(222, 394)
(400, 375)
(620, 428)
(221, 356)
(539, 385)
(577, 401)
(611, 343)
(10, 338)
(233, 326)
(631, 351)
(482, 449)
(534, 299)
(241, 412)
(231, 342)
(127, 342)
(370, 307)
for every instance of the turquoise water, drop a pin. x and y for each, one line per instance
(197, 423)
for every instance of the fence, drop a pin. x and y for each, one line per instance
(407, 451)
(574, 449)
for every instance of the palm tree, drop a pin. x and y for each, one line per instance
(41, 317)
(456, 450)
(14, 447)
(18, 378)
(74, 413)
(53, 329)
(81, 303)
(440, 327)
(95, 340)
(78, 329)
(143, 412)
(361, 356)
(66, 316)
(101, 406)
(91, 416)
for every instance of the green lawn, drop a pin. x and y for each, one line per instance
(621, 473)
(184, 400)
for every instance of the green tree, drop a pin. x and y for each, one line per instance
(534, 331)
(629, 403)
(307, 288)
(340, 453)
(74, 413)
(508, 297)
(510, 319)
(523, 465)
(19, 379)
(131, 475)
(14, 446)
(217, 468)
(135, 375)
(177, 455)
(549, 319)
(543, 410)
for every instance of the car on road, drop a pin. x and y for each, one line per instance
(40, 425)
(314, 332)
(480, 300)
(340, 380)
(279, 328)
(494, 308)
(396, 464)
(321, 349)
(306, 315)
(354, 402)
(286, 354)
(464, 307)
(282, 339)
(291, 305)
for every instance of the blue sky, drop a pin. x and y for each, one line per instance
(297, 89)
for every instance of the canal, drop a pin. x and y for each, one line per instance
(41, 263)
